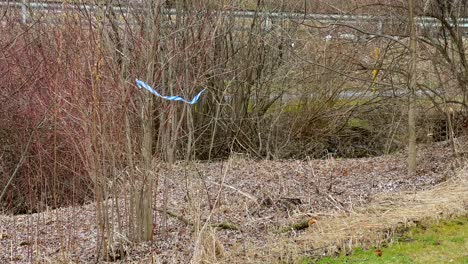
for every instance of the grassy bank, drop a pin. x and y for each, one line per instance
(444, 242)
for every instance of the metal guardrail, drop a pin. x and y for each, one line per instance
(27, 6)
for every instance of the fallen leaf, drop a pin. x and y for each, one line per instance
(312, 222)
(378, 252)
(25, 243)
(346, 172)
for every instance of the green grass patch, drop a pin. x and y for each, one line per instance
(359, 123)
(350, 102)
(445, 242)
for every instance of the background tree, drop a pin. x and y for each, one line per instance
(412, 92)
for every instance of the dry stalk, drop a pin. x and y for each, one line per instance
(207, 249)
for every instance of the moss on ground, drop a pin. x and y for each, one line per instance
(445, 242)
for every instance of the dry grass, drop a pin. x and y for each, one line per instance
(371, 225)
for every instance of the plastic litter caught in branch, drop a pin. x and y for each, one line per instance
(142, 84)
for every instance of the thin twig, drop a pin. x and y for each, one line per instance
(223, 225)
(251, 197)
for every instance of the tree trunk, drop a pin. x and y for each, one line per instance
(412, 94)
(143, 194)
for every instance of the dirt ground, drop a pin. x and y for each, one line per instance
(245, 211)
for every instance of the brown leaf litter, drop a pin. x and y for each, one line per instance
(344, 203)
